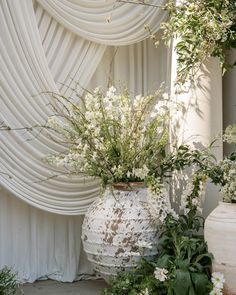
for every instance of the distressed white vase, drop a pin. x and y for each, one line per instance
(115, 227)
(220, 235)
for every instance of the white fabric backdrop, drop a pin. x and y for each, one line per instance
(32, 60)
(88, 19)
(25, 71)
(37, 54)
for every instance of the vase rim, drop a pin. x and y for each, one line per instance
(226, 203)
(126, 186)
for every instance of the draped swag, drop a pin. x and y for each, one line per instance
(46, 46)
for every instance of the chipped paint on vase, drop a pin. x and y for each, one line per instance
(114, 227)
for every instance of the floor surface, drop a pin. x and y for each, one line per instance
(49, 287)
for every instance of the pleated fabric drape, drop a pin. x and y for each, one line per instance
(36, 52)
(107, 22)
(39, 52)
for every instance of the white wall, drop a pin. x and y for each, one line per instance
(203, 118)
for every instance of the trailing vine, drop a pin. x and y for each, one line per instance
(203, 29)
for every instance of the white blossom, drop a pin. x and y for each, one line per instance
(159, 200)
(145, 292)
(216, 292)
(144, 244)
(218, 280)
(141, 172)
(230, 134)
(160, 274)
(107, 135)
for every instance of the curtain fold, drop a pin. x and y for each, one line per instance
(40, 245)
(38, 53)
(25, 71)
(107, 22)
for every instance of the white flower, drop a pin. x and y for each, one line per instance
(160, 274)
(165, 96)
(218, 280)
(141, 172)
(94, 155)
(173, 213)
(195, 202)
(163, 216)
(159, 200)
(230, 134)
(128, 174)
(216, 292)
(105, 133)
(143, 244)
(145, 292)
(137, 100)
(161, 107)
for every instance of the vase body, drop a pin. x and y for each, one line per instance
(220, 235)
(115, 226)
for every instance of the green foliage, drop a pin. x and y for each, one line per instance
(185, 256)
(115, 137)
(203, 29)
(181, 252)
(8, 282)
(183, 264)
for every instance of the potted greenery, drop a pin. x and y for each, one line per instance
(183, 263)
(122, 141)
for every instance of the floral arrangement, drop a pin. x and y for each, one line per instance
(183, 264)
(202, 29)
(122, 139)
(223, 172)
(114, 137)
(182, 267)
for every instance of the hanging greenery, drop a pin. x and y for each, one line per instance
(203, 29)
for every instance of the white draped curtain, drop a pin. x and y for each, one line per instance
(47, 46)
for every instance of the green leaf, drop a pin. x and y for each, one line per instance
(183, 264)
(164, 261)
(201, 283)
(205, 259)
(182, 282)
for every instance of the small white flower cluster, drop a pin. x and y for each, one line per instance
(162, 106)
(230, 134)
(228, 190)
(144, 292)
(144, 245)
(110, 135)
(140, 173)
(159, 200)
(190, 201)
(60, 125)
(218, 280)
(160, 274)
